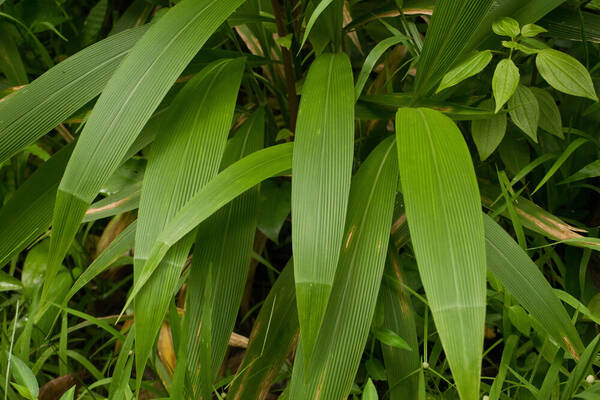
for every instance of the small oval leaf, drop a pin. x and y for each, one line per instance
(506, 27)
(391, 338)
(468, 68)
(532, 30)
(565, 74)
(505, 82)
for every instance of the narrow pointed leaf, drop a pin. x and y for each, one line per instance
(233, 181)
(185, 156)
(34, 110)
(523, 279)
(322, 168)
(273, 336)
(128, 101)
(591, 170)
(443, 210)
(223, 248)
(374, 55)
(524, 110)
(11, 62)
(564, 73)
(574, 145)
(577, 376)
(345, 329)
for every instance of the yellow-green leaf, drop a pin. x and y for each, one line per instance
(565, 74)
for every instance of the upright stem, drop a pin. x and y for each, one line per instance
(288, 66)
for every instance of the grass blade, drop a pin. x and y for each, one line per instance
(273, 336)
(443, 210)
(40, 106)
(584, 365)
(523, 279)
(354, 295)
(322, 166)
(233, 181)
(222, 252)
(560, 161)
(185, 156)
(126, 104)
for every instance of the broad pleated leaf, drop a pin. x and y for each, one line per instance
(233, 181)
(443, 210)
(565, 73)
(523, 279)
(273, 336)
(322, 166)
(452, 24)
(345, 328)
(127, 102)
(221, 253)
(185, 156)
(34, 110)
(524, 111)
(400, 364)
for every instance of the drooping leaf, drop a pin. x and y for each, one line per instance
(273, 336)
(40, 106)
(345, 328)
(523, 279)
(466, 69)
(443, 210)
(132, 94)
(488, 133)
(524, 111)
(185, 156)
(222, 254)
(565, 74)
(322, 170)
(505, 82)
(233, 181)
(550, 119)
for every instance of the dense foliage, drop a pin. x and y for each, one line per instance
(299, 199)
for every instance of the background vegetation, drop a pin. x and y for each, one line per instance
(162, 161)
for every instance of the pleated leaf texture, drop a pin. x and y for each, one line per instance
(350, 310)
(444, 217)
(127, 102)
(185, 156)
(229, 184)
(322, 170)
(221, 262)
(37, 108)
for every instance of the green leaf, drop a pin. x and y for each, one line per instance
(127, 102)
(447, 41)
(507, 355)
(550, 119)
(524, 281)
(574, 145)
(23, 376)
(185, 156)
(565, 74)
(532, 30)
(577, 376)
(9, 283)
(34, 110)
(324, 145)
(69, 394)
(221, 260)
(369, 392)
(524, 111)
(505, 82)
(345, 328)
(372, 58)
(273, 336)
(93, 23)
(399, 316)
(323, 4)
(391, 338)
(226, 186)
(466, 69)
(443, 211)
(11, 63)
(274, 205)
(521, 47)
(488, 133)
(592, 170)
(506, 26)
